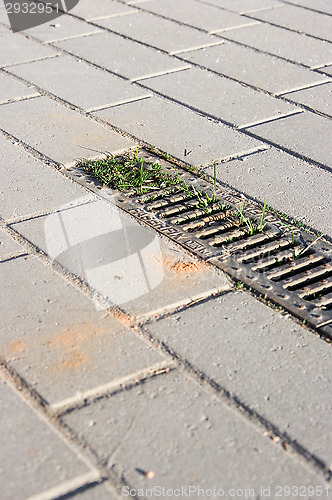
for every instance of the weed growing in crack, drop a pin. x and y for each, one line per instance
(262, 225)
(291, 230)
(252, 227)
(204, 200)
(214, 198)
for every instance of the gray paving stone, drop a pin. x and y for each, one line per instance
(225, 99)
(243, 6)
(4, 18)
(8, 246)
(130, 59)
(33, 457)
(186, 437)
(204, 17)
(284, 181)
(319, 5)
(27, 186)
(298, 19)
(3, 29)
(159, 32)
(62, 28)
(317, 98)
(124, 261)
(284, 43)
(63, 77)
(153, 120)
(12, 89)
(14, 49)
(277, 368)
(56, 339)
(62, 134)
(261, 70)
(103, 8)
(305, 133)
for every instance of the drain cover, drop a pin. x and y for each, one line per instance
(283, 263)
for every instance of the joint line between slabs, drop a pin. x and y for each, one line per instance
(269, 120)
(161, 73)
(304, 87)
(120, 103)
(113, 386)
(70, 486)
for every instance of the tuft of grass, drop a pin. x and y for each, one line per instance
(128, 173)
(291, 230)
(252, 227)
(240, 212)
(204, 200)
(214, 198)
(262, 225)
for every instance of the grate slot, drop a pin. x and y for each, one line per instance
(171, 200)
(258, 240)
(196, 214)
(324, 302)
(228, 224)
(179, 208)
(264, 250)
(311, 292)
(228, 237)
(275, 261)
(155, 195)
(205, 221)
(310, 277)
(295, 268)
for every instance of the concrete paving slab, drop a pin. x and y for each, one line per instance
(243, 6)
(58, 342)
(254, 68)
(103, 8)
(298, 19)
(319, 5)
(222, 98)
(317, 98)
(16, 49)
(12, 89)
(187, 438)
(305, 134)
(63, 77)
(129, 264)
(195, 139)
(33, 457)
(128, 59)
(284, 181)
(202, 16)
(159, 32)
(8, 246)
(284, 43)
(62, 28)
(274, 366)
(27, 186)
(4, 17)
(62, 134)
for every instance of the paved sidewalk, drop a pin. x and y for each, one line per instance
(129, 368)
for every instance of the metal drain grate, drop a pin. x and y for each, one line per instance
(277, 262)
